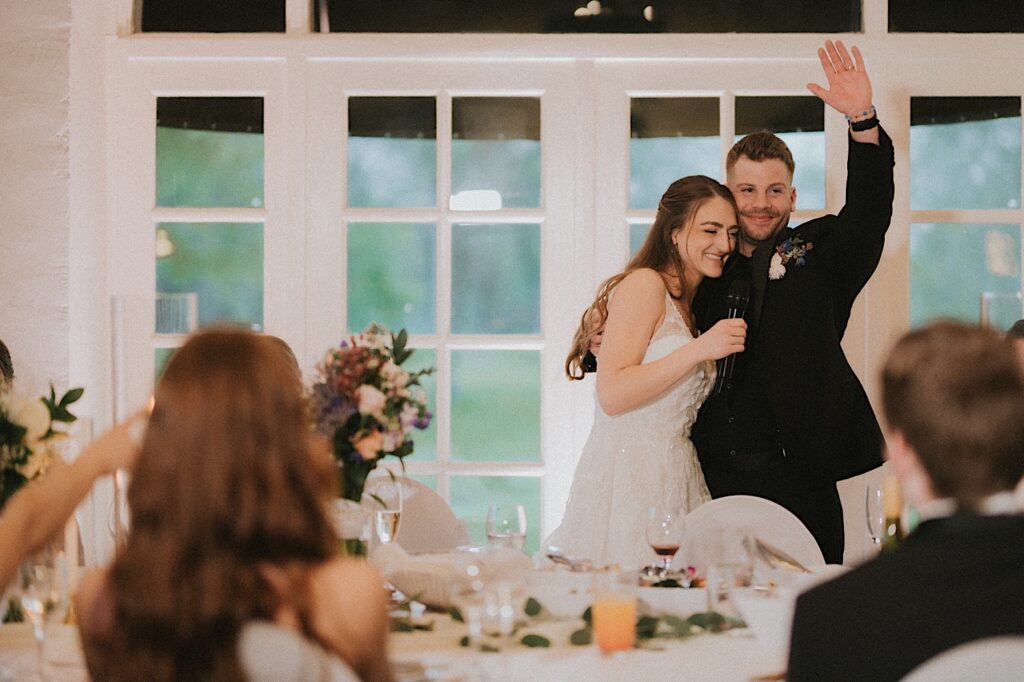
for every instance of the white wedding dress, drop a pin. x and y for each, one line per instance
(636, 460)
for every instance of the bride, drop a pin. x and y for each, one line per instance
(654, 374)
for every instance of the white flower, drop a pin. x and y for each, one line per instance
(394, 374)
(776, 270)
(31, 413)
(371, 401)
(392, 440)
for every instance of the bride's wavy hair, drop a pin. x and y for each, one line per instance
(676, 209)
(228, 482)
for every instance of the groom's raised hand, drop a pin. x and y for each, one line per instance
(849, 88)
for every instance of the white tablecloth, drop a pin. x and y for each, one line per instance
(436, 655)
(728, 656)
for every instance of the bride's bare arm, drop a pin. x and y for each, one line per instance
(634, 312)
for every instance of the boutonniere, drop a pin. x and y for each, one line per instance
(791, 250)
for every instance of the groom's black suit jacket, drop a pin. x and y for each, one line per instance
(793, 391)
(953, 581)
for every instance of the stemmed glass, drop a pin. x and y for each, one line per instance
(506, 525)
(386, 519)
(42, 589)
(874, 513)
(664, 533)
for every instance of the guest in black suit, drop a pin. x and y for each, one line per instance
(954, 403)
(794, 418)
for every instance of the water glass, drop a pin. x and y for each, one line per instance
(387, 512)
(874, 513)
(42, 589)
(506, 525)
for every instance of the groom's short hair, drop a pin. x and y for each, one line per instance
(760, 146)
(956, 394)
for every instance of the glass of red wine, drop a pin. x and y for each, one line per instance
(664, 533)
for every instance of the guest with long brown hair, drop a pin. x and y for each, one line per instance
(229, 527)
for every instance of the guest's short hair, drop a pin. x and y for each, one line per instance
(6, 366)
(1016, 332)
(760, 146)
(955, 393)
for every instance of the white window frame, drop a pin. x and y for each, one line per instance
(596, 76)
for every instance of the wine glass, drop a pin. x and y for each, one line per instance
(42, 589)
(386, 519)
(506, 525)
(664, 533)
(874, 512)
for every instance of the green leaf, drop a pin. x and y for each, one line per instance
(489, 649)
(464, 641)
(535, 641)
(668, 582)
(455, 614)
(532, 607)
(680, 627)
(709, 620)
(582, 637)
(71, 396)
(587, 617)
(646, 627)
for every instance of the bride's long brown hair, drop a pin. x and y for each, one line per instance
(226, 484)
(676, 209)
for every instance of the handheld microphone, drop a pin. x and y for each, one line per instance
(736, 304)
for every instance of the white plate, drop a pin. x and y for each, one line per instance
(675, 601)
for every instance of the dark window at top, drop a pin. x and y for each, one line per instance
(213, 16)
(956, 16)
(580, 16)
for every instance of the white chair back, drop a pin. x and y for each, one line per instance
(993, 659)
(757, 516)
(428, 524)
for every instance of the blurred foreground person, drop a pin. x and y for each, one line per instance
(954, 402)
(230, 534)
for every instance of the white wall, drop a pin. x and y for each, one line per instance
(34, 226)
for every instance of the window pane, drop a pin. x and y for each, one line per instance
(251, 16)
(392, 152)
(579, 16)
(495, 279)
(391, 276)
(952, 266)
(472, 495)
(956, 16)
(428, 480)
(495, 405)
(220, 267)
(495, 153)
(637, 235)
(670, 137)
(964, 152)
(161, 356)
(425, 441)
(800, 123)
(209, 151)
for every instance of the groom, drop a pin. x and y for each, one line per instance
(794, 419)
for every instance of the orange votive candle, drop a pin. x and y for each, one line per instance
(614, 620)
(892, 499)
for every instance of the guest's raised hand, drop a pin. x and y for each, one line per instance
(849, 88)
(725, 338)
(119, 446)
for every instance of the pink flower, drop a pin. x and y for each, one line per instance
(369, 445)
(371, 401)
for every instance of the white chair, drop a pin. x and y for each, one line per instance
(428, 524)
(993, 659)
(757, 516)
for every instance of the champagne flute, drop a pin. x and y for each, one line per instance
(874, 512)
(42, 588)
(664, 534)
(506, 525)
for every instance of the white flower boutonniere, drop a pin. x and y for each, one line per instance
(776, 270)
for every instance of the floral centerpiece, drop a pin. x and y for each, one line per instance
(27, 433)
(366, 404)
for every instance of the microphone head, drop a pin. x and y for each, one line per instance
(739, 294)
